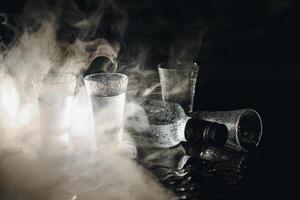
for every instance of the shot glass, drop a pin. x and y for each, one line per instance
(244, 127)
(107, 96)
(178, 83)
(55, 95)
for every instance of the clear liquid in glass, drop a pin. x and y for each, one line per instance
(108, 117)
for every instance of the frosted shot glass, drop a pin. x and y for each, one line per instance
(244, 127)
(107, 97)
(55, 95)
(178, 81)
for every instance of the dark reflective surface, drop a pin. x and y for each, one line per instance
(211, 173)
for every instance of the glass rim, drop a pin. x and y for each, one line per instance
(90, 76)
(70, 78)
(167, 66)
(249, 110)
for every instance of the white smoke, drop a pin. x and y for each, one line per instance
(31, 170)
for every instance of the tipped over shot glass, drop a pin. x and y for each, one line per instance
(244, 127)
(107, 96)
(55, 95)
(178, 81)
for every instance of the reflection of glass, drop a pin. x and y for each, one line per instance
(194, 177)
(153, 157)
(178, 83)
(244, 126)
(107, 94)
(55, 95)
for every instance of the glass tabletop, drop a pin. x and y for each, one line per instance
(207, 173)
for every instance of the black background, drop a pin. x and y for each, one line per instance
(248, 57)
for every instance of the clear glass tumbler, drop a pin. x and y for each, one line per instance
(178, 83)
(107, 96)
(55, 100)
(244, 126)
